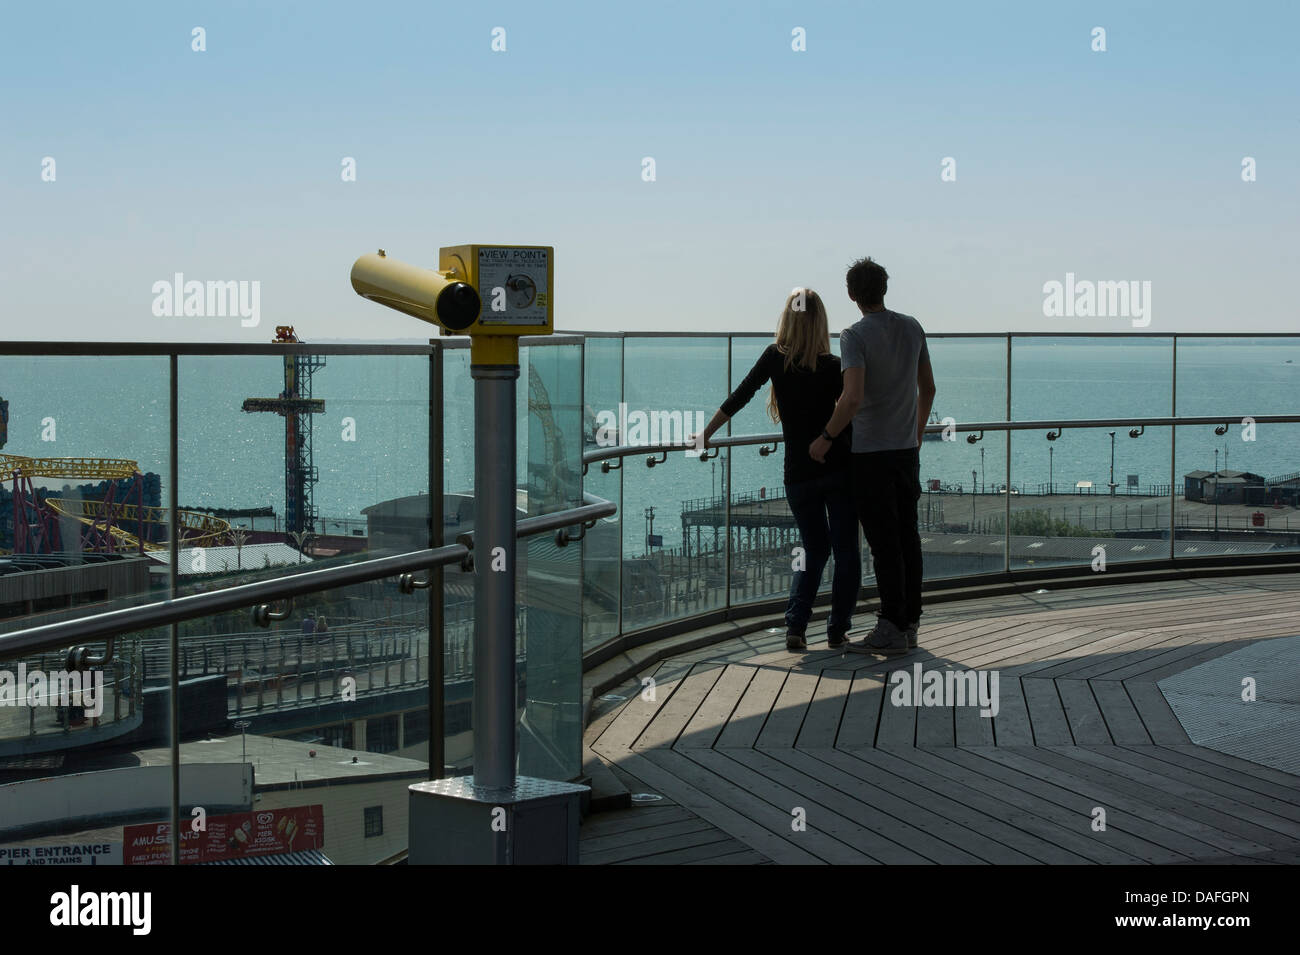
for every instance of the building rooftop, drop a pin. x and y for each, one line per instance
(277, 761)
(224, 559)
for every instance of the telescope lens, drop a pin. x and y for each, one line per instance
(458, 306)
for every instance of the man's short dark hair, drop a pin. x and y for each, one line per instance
(867, 282)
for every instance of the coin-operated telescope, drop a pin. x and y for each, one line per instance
(493, 293)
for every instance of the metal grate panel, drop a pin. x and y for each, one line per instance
(1207, 701)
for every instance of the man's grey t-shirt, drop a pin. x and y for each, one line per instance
(889, 347)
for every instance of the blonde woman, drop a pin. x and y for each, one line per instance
(806, 383)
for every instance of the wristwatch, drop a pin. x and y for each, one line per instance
(826, 435)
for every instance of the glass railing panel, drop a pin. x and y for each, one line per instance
(1085, 521)
(958, 476)
(550, 580)
(84, 466)
(1240, 488)
(1089, 497)
(602, 557)
(86, 770)
(338, 691)
(672, 385)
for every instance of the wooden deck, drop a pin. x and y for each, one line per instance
(744, 740)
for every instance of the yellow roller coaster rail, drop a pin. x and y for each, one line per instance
(197, 529)
(85, 469)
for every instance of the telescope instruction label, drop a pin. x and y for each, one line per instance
(512, 283)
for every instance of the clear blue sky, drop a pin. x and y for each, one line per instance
(775, 168)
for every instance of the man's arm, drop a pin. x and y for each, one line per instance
(925, 394)
(845, 409)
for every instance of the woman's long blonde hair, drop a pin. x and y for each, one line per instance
(802, 336)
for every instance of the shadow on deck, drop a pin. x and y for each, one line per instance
(763, 755)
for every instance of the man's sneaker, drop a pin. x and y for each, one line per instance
(885, 638)
(911, 634)
(795, 641)
(836, 641)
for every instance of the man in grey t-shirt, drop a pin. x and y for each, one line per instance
(888, 391)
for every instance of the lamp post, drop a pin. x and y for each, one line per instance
(1112, 463)
(242, 726)
(981, 470)
(1051, 485)
(972, 501)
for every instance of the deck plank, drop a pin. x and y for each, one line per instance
(1121, 716)
(822, 723)
(787, 716)
(752, 711)
(1011, 725)
(671, 718)
(1087, 726)
(713, 713)
(862, 710)
(1046, 713)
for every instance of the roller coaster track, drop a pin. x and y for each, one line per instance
(197, 529)
(93, 469)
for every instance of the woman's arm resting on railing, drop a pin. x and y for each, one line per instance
(701, 440)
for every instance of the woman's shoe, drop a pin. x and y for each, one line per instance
(795, 641)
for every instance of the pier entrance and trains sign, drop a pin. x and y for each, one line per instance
(261, 833)
(86, 853)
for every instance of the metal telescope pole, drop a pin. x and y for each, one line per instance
(494, 366)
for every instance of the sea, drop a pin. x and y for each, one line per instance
(371, 442)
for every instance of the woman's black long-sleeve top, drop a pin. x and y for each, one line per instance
(806, 399)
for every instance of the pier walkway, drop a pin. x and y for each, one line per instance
(761, 755)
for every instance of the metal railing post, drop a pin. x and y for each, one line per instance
(436, 600)
(494, 571)
(726, 494)
(1006, 529)
(1173, 445)
(622, 520)
(173, 570)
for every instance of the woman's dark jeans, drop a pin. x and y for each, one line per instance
(828, 522)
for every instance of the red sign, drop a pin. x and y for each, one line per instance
(262, 833)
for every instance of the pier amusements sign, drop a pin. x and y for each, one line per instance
(238, 835)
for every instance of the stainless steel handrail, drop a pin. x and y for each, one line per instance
(164, 612)
(587, 515)
(626, 450)
(1051, 425)
(593, 510)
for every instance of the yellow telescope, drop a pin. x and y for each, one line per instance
(440, 298)
(493, 293)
